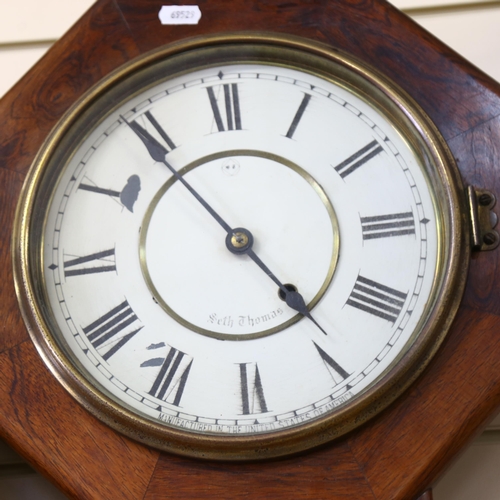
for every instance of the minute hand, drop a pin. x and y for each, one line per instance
(293, 299)
(158, 153)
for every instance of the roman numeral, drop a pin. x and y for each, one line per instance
(252, 392)
(160, 130)
(171, 380)
(387, 226)
(377, 299)
(298, 115)
(359, 158)
(111, 331)
(96, 189)
(99, 262)
(127, 196)
(336, 371)
(231, 106)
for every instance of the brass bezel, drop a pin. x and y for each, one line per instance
(258, 47)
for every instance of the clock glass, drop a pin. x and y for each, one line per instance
(241, 249)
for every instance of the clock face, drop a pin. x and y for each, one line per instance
(240, 249)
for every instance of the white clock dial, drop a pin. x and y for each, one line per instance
(232, 255)
(167, 319)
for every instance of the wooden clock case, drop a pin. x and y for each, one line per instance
(398, 454)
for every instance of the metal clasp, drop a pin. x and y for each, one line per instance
(483, 219)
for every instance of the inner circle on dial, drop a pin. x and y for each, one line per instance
(185, 257)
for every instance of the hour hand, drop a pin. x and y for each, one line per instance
(295, 300)
(240, 241)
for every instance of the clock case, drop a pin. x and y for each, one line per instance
(397, 454)
(179, 58)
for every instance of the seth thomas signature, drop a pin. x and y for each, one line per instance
(230, 321)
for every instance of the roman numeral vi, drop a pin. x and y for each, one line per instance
(252, 392)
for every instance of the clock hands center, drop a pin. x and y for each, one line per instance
(238, 241)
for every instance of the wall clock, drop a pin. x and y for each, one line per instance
(173, 149)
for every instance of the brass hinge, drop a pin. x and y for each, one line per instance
(483, 219)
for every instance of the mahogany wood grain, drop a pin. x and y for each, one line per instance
(397, 455)
(12, 331)
(318, 475)
(60, 436)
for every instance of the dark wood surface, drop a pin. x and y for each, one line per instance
(426, 495)
(403, 450)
